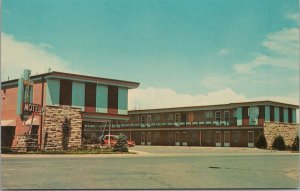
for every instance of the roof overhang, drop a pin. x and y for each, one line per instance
(102, 117)
(10, 123)
(75, 77)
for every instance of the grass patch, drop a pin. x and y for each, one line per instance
(104, 151)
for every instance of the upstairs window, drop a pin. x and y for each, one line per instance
(253, 113)
(143, 119)
(218, 116)
(149, 118)
(170, 117)
(112, 99)
(226, 115)
(90, 97)
(177, 117)
(65, 95)
(208, 115)
(156, 117)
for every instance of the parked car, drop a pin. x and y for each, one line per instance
(113, 140)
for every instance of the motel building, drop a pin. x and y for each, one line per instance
(226, 125)
(54, 110)
(60, 111)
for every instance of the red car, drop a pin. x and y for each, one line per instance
(113, 140)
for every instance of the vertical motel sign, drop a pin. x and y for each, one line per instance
(25, 95)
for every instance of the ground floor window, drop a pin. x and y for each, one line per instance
(7, 135)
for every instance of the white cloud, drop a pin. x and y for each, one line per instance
(223, 52)
(17, 56)
(218, 81)
(284, 42)
(161, 98)
(283, 47)
(292, 16)
(151, 98)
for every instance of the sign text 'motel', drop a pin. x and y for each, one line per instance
(31, 107)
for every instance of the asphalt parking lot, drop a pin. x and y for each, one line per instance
(154, 167)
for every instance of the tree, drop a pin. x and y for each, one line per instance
(121, 145)
(278, 143)
(295, 145)
(261, 142)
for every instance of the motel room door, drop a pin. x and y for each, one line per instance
(142, 138)
(250, 138)
(177, 139)
(184, 138)
(218, 138)
(148, 138)
(227, 139)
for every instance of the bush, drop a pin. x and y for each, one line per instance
(278, 143)
(5, 150)
(261, 142)
(121, 145)
(295, 145)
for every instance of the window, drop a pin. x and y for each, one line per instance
(148, 118)
(208, 115)
(112, 99)
(253, 113)
(218, 116)
(156, 117)
(226, 116)
(65, 94)
(234, 113)
(90, 97)
(136, 119)
(177, 117)
(143, 119)
(170, 117)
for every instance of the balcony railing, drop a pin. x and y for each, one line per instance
(175, 124)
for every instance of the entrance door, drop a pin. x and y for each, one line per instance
(149, 138)
(177, 139)
(218, 138)
(200, 138)
(250, 138)
(142, 138)
(227, 139)
(184, 138)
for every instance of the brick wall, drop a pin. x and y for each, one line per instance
(287, 131)
(54, 124)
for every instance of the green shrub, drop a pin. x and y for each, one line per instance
(5, 150)
(278, 143)
(121, 145)
(295, 145)
(261, 142)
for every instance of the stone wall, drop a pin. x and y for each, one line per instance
(287, 130)
(62, 128)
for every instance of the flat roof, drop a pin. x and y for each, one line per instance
(214, 107)
(73, 77)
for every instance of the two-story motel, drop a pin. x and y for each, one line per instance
(100, 100)
(233, 124)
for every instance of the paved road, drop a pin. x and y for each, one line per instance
(154, 167)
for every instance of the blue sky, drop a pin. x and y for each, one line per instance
(189, 49)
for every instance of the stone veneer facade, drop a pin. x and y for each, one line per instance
(287, 130)
(54, 119)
